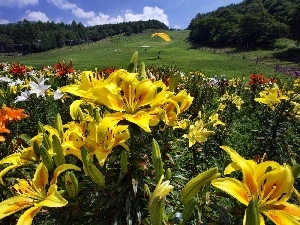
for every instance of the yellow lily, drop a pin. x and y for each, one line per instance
(214, 118)
(98, 138)
(33, 194)
(162, 189)
(184, 100)
(119, 75)
(175, 105)
(132, 99)
(271, 96)
(297, 82)
(73, 138)
(296, 110)
(104, 136)
(88, 81)
(237, 100)
(268, 183)
(234, 98)
(18, 159)
(157, 201)
(26, 156)
(221, 107)
(198, 133)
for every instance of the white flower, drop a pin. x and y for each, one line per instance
(23, 97)
(15, 83)
(58, 94)
(32, 73)
(18, 81)
(6, 68)
(12, 84)
(38, 87)
(5, 79)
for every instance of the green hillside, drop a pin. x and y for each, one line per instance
(116, 51)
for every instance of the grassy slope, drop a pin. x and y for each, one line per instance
(117, 51)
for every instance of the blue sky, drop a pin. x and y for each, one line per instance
(174, 13)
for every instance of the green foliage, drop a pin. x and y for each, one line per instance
(250, 24)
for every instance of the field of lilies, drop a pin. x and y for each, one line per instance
(147, 145)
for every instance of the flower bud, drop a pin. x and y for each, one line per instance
(46, 158)
(71, 184)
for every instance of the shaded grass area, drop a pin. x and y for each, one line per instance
(116, 51)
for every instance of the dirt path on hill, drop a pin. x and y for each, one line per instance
(291, 71)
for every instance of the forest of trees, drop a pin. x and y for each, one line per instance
(27, 37)
(250, 24)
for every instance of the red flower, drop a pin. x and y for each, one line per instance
(256, 79)
(62, 68)
(17, 69)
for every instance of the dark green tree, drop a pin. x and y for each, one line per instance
(295, 25)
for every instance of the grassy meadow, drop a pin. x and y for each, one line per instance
(116, 51)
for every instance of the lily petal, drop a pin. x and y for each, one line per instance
(261, 168)
(247, 168)
(40, 178)
(231, 168)
(53, 199)
(61, 169)
(74, 107)
(235, 167)
(280, 218)
(27, 217)
(109, 96)
(5, 171)
(290, 209)
(233, 187)
(146, 92)
(11, 159)
(14, 204)
(141, 118)
(277, 184)
(101, 155)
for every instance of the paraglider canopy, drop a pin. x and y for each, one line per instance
(162, 35)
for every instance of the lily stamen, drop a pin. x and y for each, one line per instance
(267, 198)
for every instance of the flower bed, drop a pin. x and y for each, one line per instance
(147, 146)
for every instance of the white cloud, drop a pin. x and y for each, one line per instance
(148, 14)
(80, 13)
(63, 4)
(19, 3)
(104, 19)
(58, 20)
(3, 21)
(176, 27)
(75, 10)
(101, 18)
(35, 16)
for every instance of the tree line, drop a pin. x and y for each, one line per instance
(28, 37)
(250, 24)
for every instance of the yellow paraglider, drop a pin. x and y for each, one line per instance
(162, 35)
